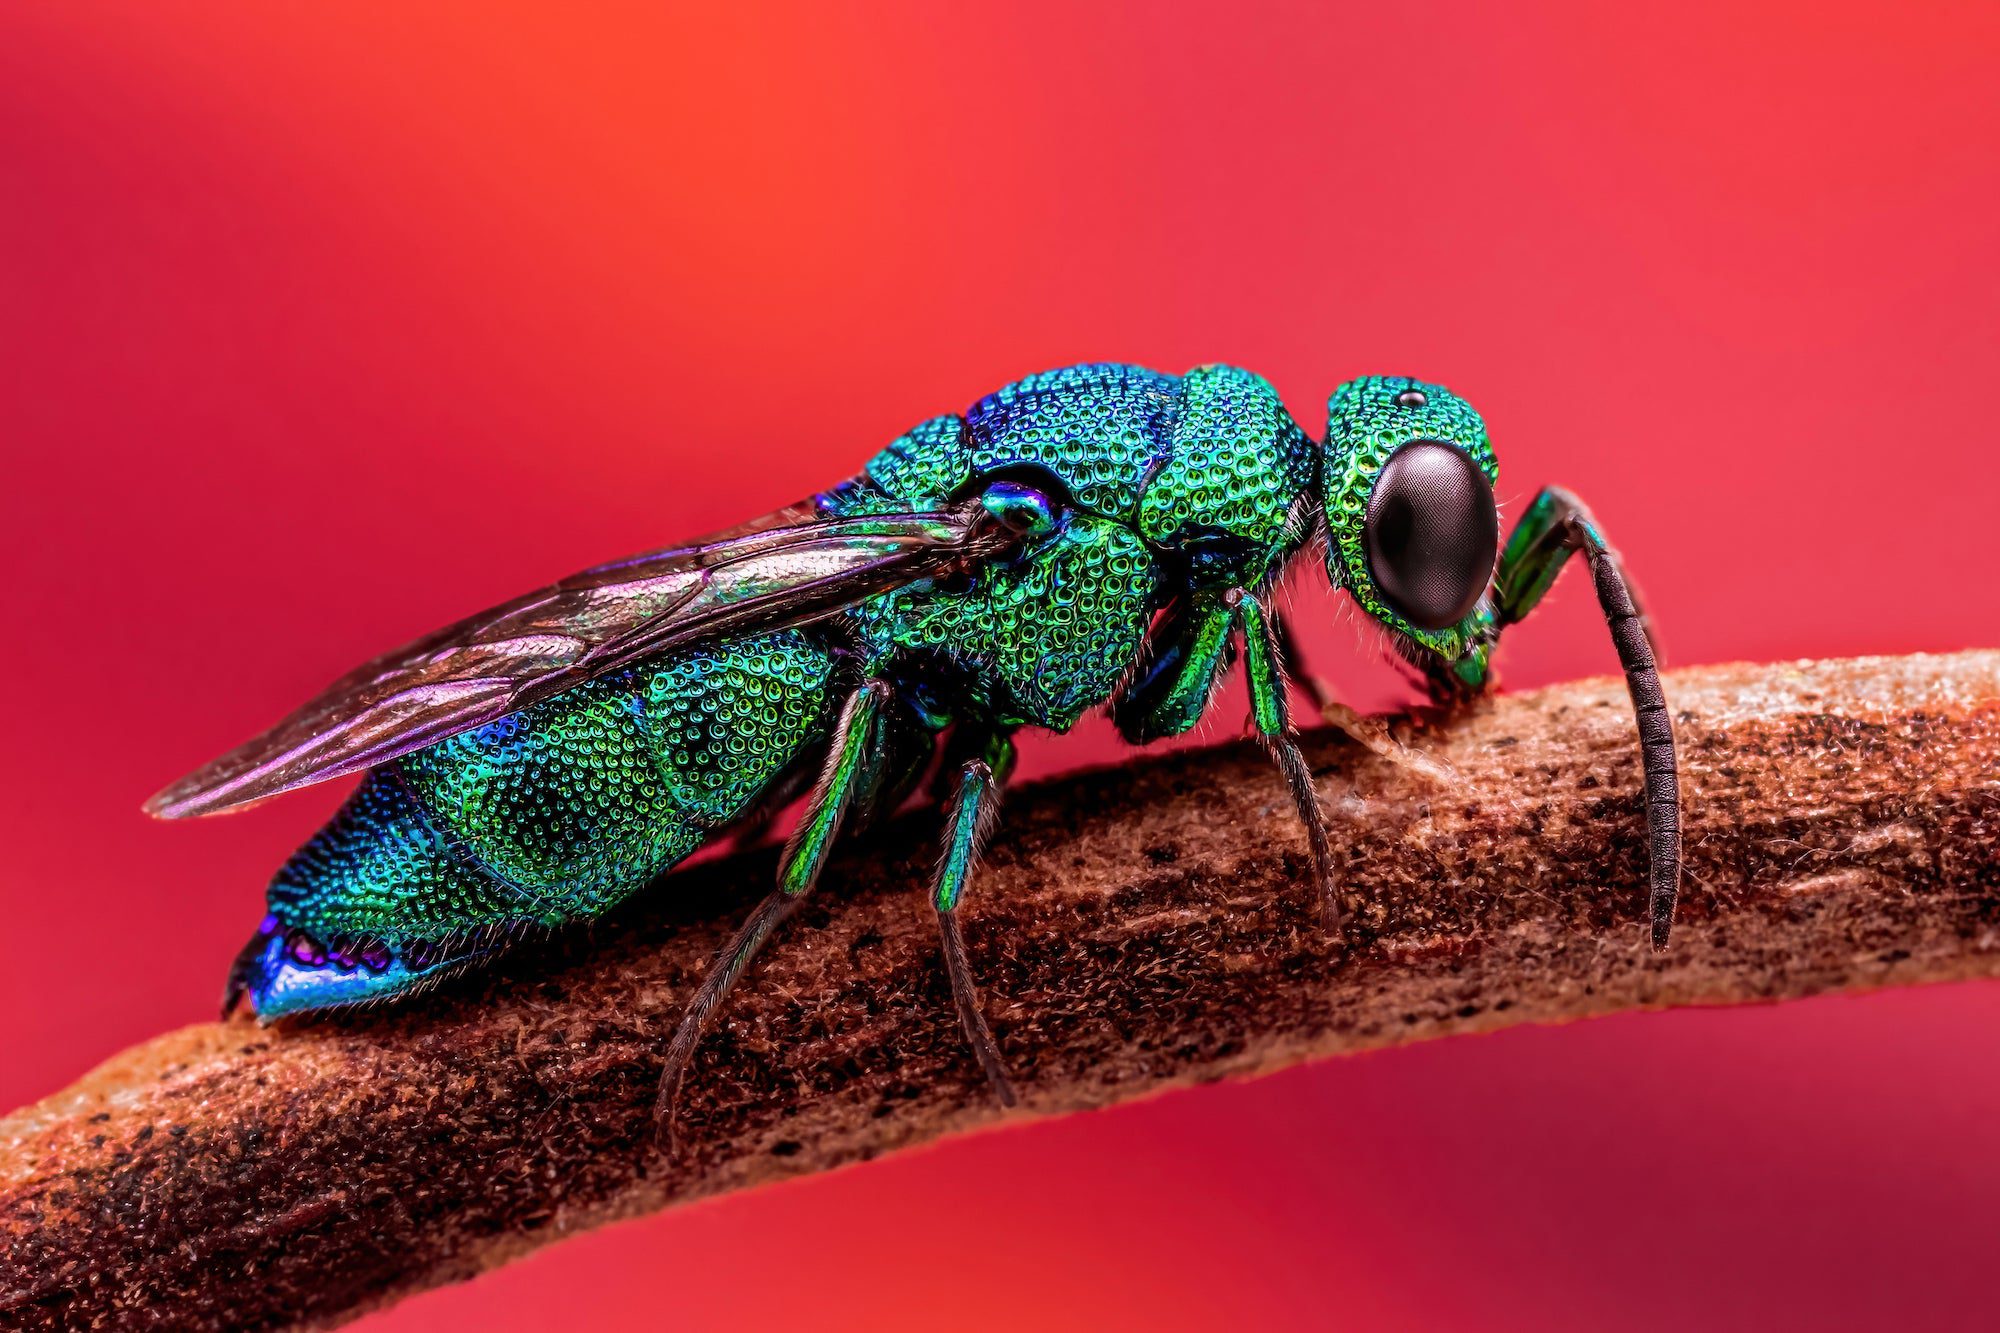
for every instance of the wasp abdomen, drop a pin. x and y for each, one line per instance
(548, 815)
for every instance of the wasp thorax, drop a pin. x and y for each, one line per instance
(1432, 533)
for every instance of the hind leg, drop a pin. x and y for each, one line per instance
(852, 767)
(973, 811)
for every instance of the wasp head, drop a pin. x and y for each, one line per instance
(1411, 525)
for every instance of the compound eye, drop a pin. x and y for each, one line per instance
(1432, 532)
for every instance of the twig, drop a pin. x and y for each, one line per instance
(1135, 928)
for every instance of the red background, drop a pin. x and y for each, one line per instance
(321, 325)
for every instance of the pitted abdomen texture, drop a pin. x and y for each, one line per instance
(558, 811)
(382, 869)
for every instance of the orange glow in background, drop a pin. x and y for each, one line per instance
(323, 325)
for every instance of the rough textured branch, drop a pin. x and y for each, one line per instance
(1135, 928)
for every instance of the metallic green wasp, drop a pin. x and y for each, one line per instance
(1101, 534)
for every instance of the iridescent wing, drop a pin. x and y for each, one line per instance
(789, 568)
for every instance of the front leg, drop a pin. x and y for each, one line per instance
(1186, 654)
(1452, 683)
(1555, 527)
(1271, 710)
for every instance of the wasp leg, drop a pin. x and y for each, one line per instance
(1185, 654)
(1555, 527)
(1271, 711)
(852, 761)
(973, 812)
(1317, 690)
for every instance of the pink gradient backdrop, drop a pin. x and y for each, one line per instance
(321, 325)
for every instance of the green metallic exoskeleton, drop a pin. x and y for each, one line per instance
(1101, 535)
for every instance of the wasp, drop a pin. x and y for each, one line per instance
(1099, 535)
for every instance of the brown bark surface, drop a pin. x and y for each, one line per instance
(1135, 928)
